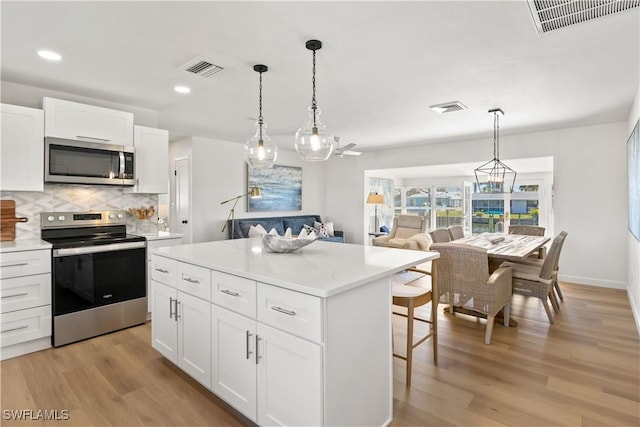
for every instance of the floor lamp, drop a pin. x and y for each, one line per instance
(375, 199)
(253, 193)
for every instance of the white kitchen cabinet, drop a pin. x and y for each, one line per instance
(73, 120)
(22, 149)
(233, 339)
(181, 331)
(289, 379)
(153, 243)
(25, 302)
(152, 160)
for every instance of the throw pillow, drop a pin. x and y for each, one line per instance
(320, 231)
(328, 226)
(257, 231)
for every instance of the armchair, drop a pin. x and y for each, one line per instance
(462, 278)
(408, 232)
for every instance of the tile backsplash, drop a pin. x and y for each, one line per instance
(65, 197)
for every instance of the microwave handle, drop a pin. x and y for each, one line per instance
(121, 165)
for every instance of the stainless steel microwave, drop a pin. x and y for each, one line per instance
(82, 162)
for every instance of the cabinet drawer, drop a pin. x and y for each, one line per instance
(194, 280)
(164, 270)
(19, 293)
(25, 263)
(25, 325)
(290, 311)
(234, 293)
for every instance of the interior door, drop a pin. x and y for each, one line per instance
(182, 199)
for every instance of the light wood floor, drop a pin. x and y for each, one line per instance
(582, 371)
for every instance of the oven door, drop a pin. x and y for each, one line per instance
(93, 276)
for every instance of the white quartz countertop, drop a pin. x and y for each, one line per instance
(161, 235)
(322, 268)
(24, 245)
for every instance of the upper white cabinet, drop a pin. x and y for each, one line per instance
(22, 150)
(73, 120)
(152, 160)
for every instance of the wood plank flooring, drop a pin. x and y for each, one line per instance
(582, 371)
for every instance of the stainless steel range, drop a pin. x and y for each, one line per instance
(98, 274)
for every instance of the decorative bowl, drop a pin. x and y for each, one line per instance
(283, 245)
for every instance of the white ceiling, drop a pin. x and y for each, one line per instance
(382, 65)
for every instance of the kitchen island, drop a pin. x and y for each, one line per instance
(302, 338)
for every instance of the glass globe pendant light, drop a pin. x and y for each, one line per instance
(260, 151)
(313, 141)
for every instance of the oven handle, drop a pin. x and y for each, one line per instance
(58, 253)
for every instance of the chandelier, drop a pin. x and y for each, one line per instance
(494, 176)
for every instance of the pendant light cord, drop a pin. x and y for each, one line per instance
(314, 103)
(260, 120)
(496, 136)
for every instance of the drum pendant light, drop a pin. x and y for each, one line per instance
(313, 141)
(260, 151)
(494, 176)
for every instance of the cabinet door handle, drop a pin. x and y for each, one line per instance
(92, 138)
(258, 357)
(249, 334)
(161, 270)
(177, 315)
(170, 307)
(282, 310)
(15, 329)
(18, 264)
(190, 280)
(228, 292)
(15, 295)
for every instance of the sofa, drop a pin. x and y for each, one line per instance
(280, 223)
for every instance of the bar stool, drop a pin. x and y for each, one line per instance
(412, 297)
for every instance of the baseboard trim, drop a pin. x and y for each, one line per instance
(635, 310)
(613, 284)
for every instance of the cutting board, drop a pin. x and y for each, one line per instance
(8, 220)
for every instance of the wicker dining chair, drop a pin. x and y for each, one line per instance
(539, 280)
(463, 280)
(556, 286)
(440, 235)
(530, 230)
(455, 232)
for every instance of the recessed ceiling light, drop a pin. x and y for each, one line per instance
(51, 56)
(182, 89)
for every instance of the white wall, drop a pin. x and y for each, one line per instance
(590, 191)
(219, 172)
(633, 287)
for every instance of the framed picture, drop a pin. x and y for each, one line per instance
(281, 188)
(633, 161)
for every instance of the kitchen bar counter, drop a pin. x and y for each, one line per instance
(300, 338)
(321, 269)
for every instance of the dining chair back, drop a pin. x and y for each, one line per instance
(462, 279)
(455, 232)
(440, 235)
(530, 230)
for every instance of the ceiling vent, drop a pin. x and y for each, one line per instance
(202, 67)
(549, 15)
(448, 107)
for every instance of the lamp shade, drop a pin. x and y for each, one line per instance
(375, 199)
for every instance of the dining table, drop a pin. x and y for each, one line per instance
(505, 247)
(502, 247)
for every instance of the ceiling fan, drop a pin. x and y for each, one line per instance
(345, 150)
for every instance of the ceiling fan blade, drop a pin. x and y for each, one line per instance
(348, 146)
(351, 153)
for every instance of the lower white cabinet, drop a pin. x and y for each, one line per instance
(181, 331)
(153, 244)
(289, 379)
